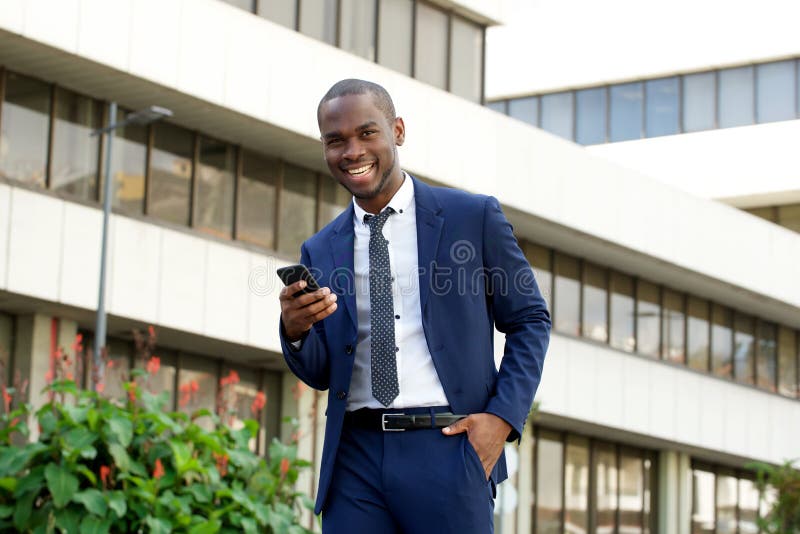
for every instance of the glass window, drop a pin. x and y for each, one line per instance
(622, 310)
(237, 399)
(662, 107)
(271, 386)
(605, 465)
(595, 303)
(118, 366)
(6, 346)
(466, 59)
(525, 109)
(721, 341)
(25, 132)
(171, 173)
(284, 12)
(396, 34)
(702, 502)
(650, 481)
(648, 319)
(697, 335)
(500, 106)
(576, 485)
(744, 349)
(128, 163)
(787, 362)
(333, 199)
(318, 19)
(673, 322)
(789, 216)
(541, 261)
(767, 356)
(748, 507)
(164, 379)
(557, 114)
(257, 198)
(247, 5)
(430, 56)
(75, 152)
(357, 27)
(215, 188)
(775, 91)
(626, 111)
(549, 482)
(566, 308)
(590, 116)
(699, 101)
(727, 498)
(768, 213)
(197, 386)
(298, 209)
(735, 97)
(631, 493)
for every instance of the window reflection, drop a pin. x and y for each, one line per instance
(466, 59)
(25, 129)
(595, 303)
(499, 106)
(699, 101)
(622, 309)
(284, 12)
(767, 356)
(128, 162)
(648, 319)
(333, 200)
(197, 387)
(549, 481)
(117, 371)
(702, 502)
(697, 336)
(748, 507)
(727, 497)
(557, 114)
(673, 327)
(298, 212)
(787, 362)
(576, 485)
(775, 91)
(735, 97)
(215, 187)
(318, 20)
(430, 50)
(662, 107)
(744, 350)
(75, 152)
(605, 467)
(525, 109)
(626, 111)
(170, 173)
(631, 493)
(541, 260)
(721, 341)
(567, 289)
(396, 34)
(257, 198)
(590, 115)
(357, 27)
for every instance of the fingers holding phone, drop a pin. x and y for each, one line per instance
(303, 302)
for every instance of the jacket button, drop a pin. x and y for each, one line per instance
(349, 349)
(341, 395)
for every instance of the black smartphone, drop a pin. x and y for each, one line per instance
(294, 273)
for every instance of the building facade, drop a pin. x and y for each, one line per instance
(674, 358)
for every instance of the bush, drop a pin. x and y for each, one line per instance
(127, 465)
(782, 484)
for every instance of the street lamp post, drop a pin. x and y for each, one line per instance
(141, 117)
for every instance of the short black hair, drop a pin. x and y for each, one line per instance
(352, 86)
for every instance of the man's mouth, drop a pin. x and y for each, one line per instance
(360, 171)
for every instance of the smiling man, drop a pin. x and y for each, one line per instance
(415, 279)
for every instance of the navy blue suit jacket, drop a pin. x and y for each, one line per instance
(473, 277)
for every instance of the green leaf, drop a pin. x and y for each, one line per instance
(48, 421)
(68, 519)
(83, 470)
(249, 525)
(76, 413)
(33, 480)
(92, 417)
(158, 525)
(79, 438)
(116, 501)
(182, 454)
(22, 511)
(206, 527)
(6, 511)
(93, 500)
(95, 525)
(121, 429)
(12, 460)
(61, 483)
(9, 484)
(200, 492)
(121, 458)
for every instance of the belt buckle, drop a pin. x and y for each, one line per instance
(383, 422)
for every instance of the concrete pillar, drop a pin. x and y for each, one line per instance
(525, 482)
(674, 492)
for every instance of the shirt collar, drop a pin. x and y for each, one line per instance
(400, 202)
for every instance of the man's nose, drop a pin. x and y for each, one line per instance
(354, 149)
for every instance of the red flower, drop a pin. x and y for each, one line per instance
(158, 472)
(110, 364)
(298, 390)
(232, 378)
(132, 391)
(77, 345)
(222, 463)
(6, 399)
(153, 365)
(151, 331)
(258, 403)
(100, 387)
(284, 466)
(48, 376)
(194, 386)
(105, 474)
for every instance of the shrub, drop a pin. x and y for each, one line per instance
(128, 465)
(783, 484)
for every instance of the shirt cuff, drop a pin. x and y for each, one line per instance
(296, 345)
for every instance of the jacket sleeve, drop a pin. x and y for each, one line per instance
(520, 312)
(310, 363)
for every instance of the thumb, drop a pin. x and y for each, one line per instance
(462, 425)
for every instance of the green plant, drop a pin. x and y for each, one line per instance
(780, 488)
(127, 465)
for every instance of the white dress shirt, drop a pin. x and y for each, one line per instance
(419, 383)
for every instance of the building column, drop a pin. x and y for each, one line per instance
(674, 492)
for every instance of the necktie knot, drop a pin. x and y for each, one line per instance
(376, 222)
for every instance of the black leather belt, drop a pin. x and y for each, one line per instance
(398, 422)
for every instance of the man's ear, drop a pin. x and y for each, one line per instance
(399, 131)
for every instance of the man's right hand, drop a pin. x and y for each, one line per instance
(299, 313)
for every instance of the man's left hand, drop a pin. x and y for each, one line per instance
(486, 432)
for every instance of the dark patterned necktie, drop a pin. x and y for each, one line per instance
(381, 312)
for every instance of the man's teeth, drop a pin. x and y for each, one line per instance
(361, 170)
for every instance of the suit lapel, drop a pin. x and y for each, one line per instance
(342, 276)
(429, 230)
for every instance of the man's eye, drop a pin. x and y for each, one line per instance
(365, 133)
(332, 142)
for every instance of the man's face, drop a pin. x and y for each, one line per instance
(360, 147)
